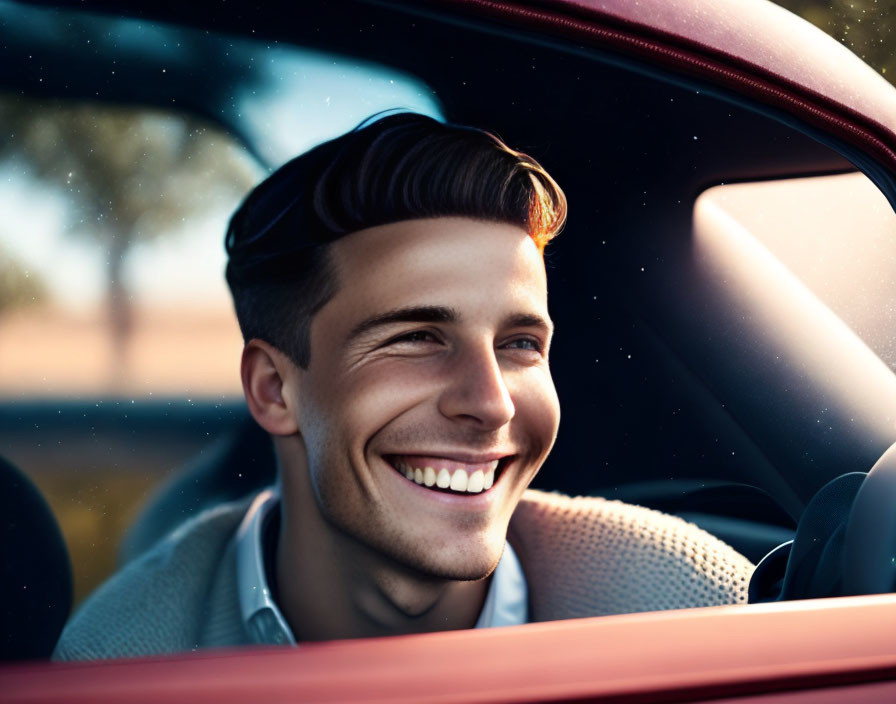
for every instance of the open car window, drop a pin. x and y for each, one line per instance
(721, 293)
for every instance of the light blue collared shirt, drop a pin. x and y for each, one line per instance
(506, 603)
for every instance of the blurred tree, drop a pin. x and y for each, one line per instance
(128, 174)
(18, 286)
(866, 26)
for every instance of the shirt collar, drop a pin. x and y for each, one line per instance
(507, 600)
(506, 603)
(261, 616)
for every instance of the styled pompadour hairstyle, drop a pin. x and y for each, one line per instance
(400, 167)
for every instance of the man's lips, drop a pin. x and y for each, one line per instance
(460, 475)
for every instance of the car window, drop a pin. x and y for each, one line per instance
(694, 262)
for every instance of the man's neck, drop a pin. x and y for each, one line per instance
(331, 586)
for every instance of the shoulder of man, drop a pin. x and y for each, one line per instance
(158, 603)
(587, 556)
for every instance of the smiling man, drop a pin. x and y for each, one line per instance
(405, 445)
(413, 406)
(391, 291)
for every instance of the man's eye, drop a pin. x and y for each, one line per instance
(416, 336)
(525, 343)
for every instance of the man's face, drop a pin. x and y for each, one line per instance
(429, 366)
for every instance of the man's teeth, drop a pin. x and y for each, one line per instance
(476, 482)
(443, 480)
(458, 480)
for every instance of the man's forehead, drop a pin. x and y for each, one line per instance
(456, 264)
(411, 245)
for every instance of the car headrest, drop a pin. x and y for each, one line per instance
(35, 572)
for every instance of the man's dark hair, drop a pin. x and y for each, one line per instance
(400, 167)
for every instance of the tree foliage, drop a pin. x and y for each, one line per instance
(865, 26)
(127, 175)
(18, 286)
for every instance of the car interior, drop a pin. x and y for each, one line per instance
(720, 291)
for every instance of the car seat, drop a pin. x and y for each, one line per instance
(36, 581)
(241, 463)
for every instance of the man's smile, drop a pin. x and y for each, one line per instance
(450, 474)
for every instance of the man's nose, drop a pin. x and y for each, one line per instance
(477, 391)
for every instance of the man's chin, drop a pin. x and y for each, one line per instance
(452, 573)
(455, 565)
(470, 556)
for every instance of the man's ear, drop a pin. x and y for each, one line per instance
(264, 370)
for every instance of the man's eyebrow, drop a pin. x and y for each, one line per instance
(411, 314)
(528, 320)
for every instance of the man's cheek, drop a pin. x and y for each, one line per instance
(538, 413)
(376, 403)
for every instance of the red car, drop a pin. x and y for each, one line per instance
(722, 295)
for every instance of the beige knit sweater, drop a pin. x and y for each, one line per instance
(592, 557)
(581, 557)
